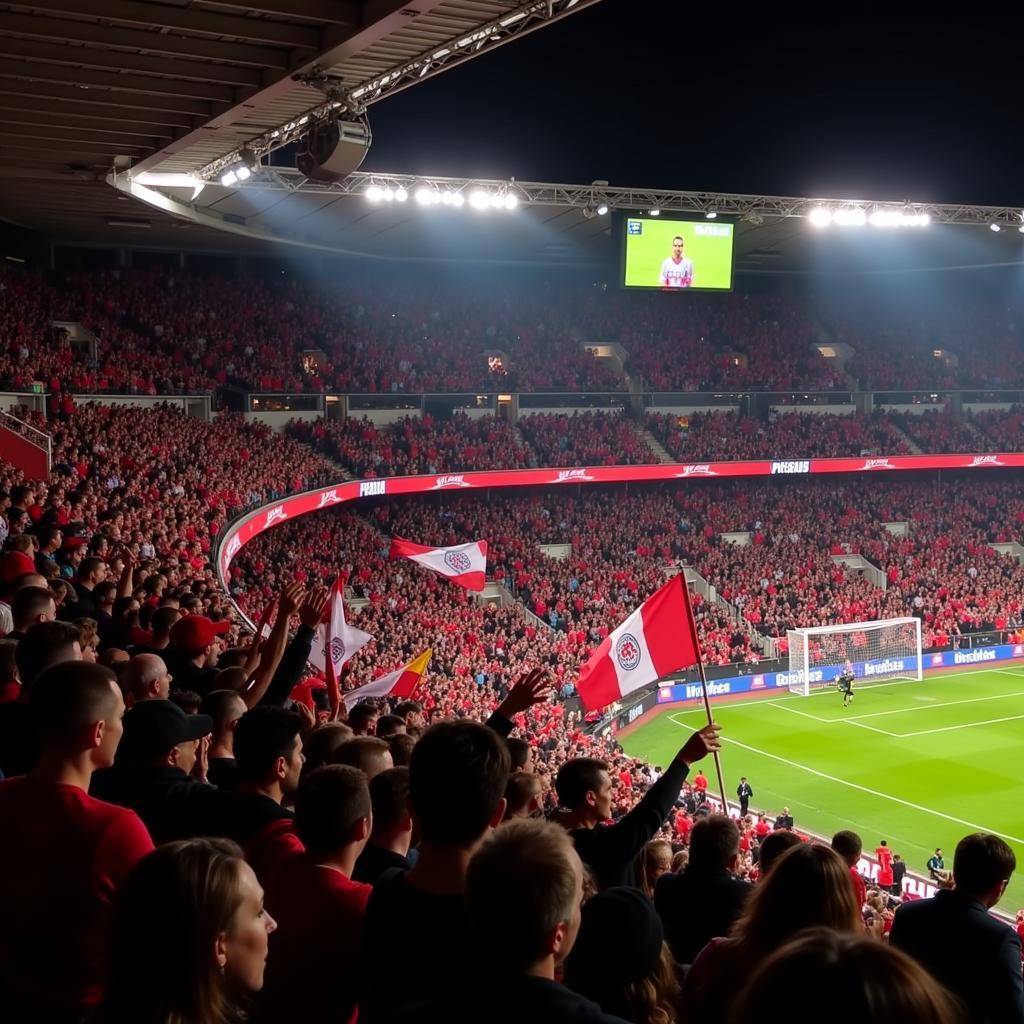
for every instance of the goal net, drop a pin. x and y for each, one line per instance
(886, 649)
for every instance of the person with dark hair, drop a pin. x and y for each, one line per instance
(45, 644)
(367, 753)
(707, 898)
(858, 978)
(808, 886)
(521, 753)
(584, 789)
(390, 725)
(899, 870)
(524, 795)
(268, 753)
(64, 854)
(320, 745)
(362, 719)
(225, 708)
(849, 846)
(317, 966)
(635, 980)
(91, 572)
(29, 606)
(412, 712)
(773, 846)
(190, 938)
(953, 936)
(160, 625)
(401, 748)
(391, 835)
(457, 784)
(524, 887)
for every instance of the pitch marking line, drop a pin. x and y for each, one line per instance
(872, 792)
(930, 707)
(831, 721)
(954, 728)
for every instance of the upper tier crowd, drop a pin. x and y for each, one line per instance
(165, 331)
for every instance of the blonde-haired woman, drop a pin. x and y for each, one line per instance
(190, 938)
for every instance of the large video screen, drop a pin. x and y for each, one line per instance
(677, 255)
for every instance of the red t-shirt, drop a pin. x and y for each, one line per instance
(701, 783)
(884, 855)
(315, 965)
(63, 857)
(859, 887)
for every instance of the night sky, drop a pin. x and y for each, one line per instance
(731, 98)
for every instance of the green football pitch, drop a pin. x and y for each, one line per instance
(920, 764)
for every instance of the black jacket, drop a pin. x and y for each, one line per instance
(508, 1001)
(610, 851)
(976, 956)
(697, 906)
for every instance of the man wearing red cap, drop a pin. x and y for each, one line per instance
(192, 653)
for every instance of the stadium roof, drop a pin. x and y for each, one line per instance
(176, 85)
(179, 86)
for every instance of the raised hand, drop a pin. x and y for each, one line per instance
(311, 613)
(532, 687)
(703, 742)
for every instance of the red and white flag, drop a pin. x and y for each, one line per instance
(464, 564)
(658, 638)
(336, 635)
(400, 683)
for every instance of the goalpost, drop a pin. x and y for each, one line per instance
(885, 649)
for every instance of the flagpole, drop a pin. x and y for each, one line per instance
(692, 622)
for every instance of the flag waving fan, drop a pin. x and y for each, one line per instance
(659, 638)
(400, 683)
(463, 564)
(337, 637)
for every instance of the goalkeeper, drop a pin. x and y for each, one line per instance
(846, 682)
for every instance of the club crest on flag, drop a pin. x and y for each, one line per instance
(337, 649)
(627, 652)
(458, 561)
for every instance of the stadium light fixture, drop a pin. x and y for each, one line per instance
(850, 217)
(511, 201)
(243, 173)
(1021, 229)
(424, 196)
(994, 227)
(375, 193)
(479, 199)
(820, 217)
(228, 178)
(602, 209)
(711, 214)
(458, 199)
(655, 213)
(401, 195)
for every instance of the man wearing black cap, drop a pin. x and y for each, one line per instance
(192, 653)
(153, 773)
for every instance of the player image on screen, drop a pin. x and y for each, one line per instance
(677, 269)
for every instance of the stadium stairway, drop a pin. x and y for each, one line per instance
(915, 448)
(983, 442)
(654, 444)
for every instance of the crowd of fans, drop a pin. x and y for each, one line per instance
(416, 444)
(585, 439)
(728, 435)
(166, 331)
(271, 890)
